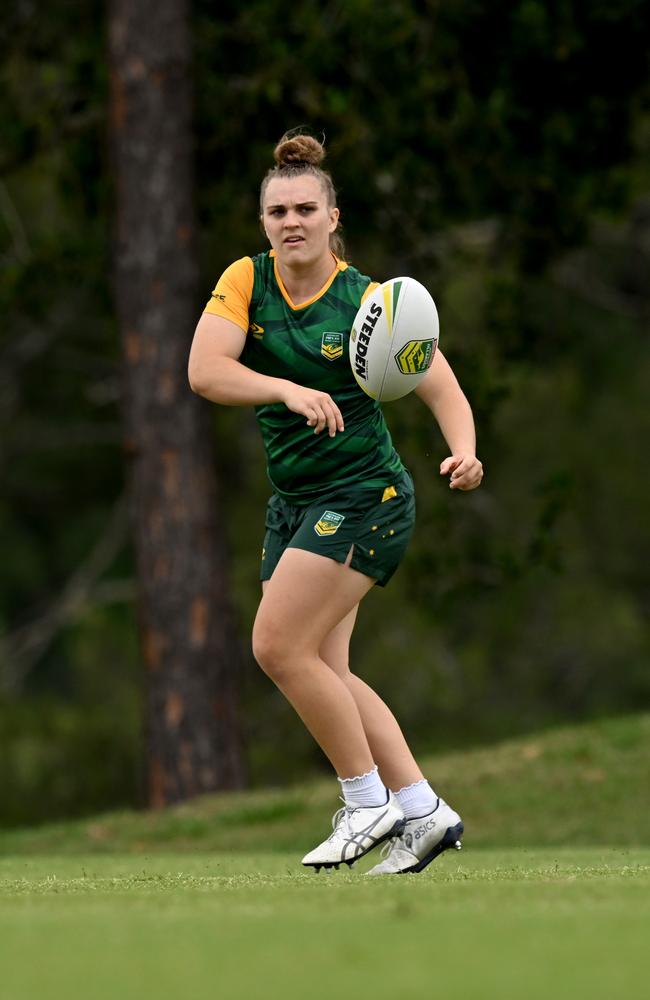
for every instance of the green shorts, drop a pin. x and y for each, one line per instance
(376, 522)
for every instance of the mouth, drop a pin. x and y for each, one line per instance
(294, 239)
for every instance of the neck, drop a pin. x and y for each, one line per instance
(303, 282)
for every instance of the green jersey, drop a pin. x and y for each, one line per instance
(309, 345)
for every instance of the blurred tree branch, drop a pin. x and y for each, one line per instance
(21, 649)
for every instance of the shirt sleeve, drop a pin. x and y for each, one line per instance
(233, 292)
(369, 290)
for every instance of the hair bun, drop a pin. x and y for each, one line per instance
(296, 149)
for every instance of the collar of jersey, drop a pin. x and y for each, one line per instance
(341, 265)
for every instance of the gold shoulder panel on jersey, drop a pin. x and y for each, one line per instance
(233, 292)
(369, 290)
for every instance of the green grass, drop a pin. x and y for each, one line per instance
(482, 924)
(550, 896)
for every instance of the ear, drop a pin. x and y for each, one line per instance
(334, 219)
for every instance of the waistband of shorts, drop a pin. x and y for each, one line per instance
(402, 484)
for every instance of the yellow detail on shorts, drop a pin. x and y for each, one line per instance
(389, 493)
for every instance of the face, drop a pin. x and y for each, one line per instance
(297, 219)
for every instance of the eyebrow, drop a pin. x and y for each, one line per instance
(299, 204)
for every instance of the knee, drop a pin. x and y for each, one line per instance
(272, 651)
(347, 676)
(339, 665)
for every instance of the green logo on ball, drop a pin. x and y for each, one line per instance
(415, 357)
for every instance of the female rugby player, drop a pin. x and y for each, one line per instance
(275, 335)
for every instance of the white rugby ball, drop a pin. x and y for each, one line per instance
(394, 338)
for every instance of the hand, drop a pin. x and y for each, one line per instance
(319, 408)
(466, 471)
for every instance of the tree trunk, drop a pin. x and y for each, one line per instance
(186, 619)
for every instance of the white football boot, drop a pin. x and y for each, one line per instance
(422, 840)
(357, 829)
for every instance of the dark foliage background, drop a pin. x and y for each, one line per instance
(499, 153)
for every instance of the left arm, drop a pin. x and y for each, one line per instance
(440, 392)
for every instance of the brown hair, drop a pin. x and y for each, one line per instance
(298, 154)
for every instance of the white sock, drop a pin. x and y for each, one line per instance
(418, 799)
(366, 790)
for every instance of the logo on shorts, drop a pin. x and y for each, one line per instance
(416, 356)
(332, 346)
(328, 523)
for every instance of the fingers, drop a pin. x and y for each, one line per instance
(466, 483)
(467, 479)
(463, 466)
(323, 413)
(450, 464)
(315, 415)
(466, 471)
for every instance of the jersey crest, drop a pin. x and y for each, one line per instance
(332, 346)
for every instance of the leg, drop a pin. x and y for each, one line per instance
(425, 836)
(307, 596)
(396, 763)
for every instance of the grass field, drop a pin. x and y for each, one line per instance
(550, 896)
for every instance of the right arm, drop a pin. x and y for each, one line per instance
(216, 373)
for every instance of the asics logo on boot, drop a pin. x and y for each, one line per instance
(425, 828)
